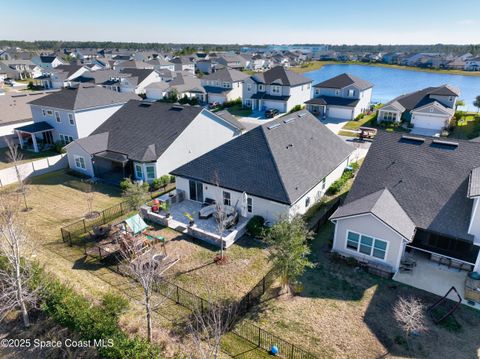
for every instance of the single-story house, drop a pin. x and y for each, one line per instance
(282, 167)
(145, 140)
(413, 195)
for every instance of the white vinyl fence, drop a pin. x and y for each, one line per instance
(33, 168)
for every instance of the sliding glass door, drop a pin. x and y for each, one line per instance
(196, 191)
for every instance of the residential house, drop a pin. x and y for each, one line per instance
(69, 114)
(183, 63)
(267, 168)
(48, 61)
(60, 76)
(472, 64)
(135, 80)
(132, 64)
(147, 140)
(224, 85)
(277, 88)
(344, 96)
(431, 108)
(184, 85)
(161, 64)
(19, 69)
(233, 61)
(417, 198)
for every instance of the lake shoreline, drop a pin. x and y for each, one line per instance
(317, 65)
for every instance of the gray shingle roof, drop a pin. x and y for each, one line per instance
(333, 101)
(420, 98)
(343, 80)
(428, 179)
(140, 74)
(280, 76)
(226, 75)
(83, 97)
(383, 205)
(474, 183)
(280, 160)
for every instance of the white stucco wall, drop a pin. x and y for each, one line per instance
(369, 225)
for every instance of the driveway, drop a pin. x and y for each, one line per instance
(425, 132)
(257, 118)
(334, 124)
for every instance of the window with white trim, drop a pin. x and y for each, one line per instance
(227, 198)
(138, 171)
(367, 245)
(337, 92)
(71, 120)
(307, 202)
(66, 139)
(317, 91)
(44, 113)
(249, 205)
(249, 87)
(150, 172)
(324, 181)
(276, 89)
(49, 112)
(57, 116)
(351, 93)
(80, 162)
(261, 88)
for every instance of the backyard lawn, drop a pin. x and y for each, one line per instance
(467, 127)
(27, 156)
(346, 313)
(239, 110)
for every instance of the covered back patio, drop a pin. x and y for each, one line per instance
(436, 263)
(36, 136)
(112, 167)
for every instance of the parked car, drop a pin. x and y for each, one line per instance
(271, 113)
(214, 105)
(9, 82)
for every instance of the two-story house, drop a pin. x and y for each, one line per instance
(48, 62)
(69, 114)
(276, 88)
(183, 63)
(431, 108)
(224, 85)
(160, 63)
(343, 96)
(233, 61)
(135, 80)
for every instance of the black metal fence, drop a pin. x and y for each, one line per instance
(265, 340)
(75, 232)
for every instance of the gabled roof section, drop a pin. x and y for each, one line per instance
(344, 80)
(437, 105)
(143, 131)
(280, 76)
(83, 97)
(446, 90)
(140, 74)
(383, 205)
(279, 161)
(226, 75)
(428, 177)
(422, 97)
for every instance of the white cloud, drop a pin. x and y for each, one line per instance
(466, 22)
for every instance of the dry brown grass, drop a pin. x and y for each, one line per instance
(346, 313)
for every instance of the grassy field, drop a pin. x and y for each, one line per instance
(315, 65)
(239, 110)
(346, 313)
(27, 156)
(467, 127)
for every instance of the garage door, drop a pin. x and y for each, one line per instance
(216, 98)
(279, 105)
(430, 122)
(340, 112)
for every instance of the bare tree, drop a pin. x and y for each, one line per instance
(17, 271)
(209, 322)
(147, 270)
(15, 156)
(89, 197)
(410, 315)
(220, 214)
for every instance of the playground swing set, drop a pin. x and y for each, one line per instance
(445, 307)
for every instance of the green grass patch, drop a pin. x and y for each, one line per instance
(356, 124)
(239, 110)
(467, 127)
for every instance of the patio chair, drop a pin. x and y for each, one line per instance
(208, 202)
(206, 212)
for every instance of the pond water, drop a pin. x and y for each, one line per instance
(390, 83)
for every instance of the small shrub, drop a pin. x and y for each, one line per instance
(337, 186)
(59, 147)
(172, 179)
(30, 85)
(125, 184)
(255, 226)
(359, 117)
(296, 108)
(156, 185)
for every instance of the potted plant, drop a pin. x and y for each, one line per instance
(155, 206)
(166, 208)
(190, 219)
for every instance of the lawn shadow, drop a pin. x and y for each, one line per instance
(86, 263)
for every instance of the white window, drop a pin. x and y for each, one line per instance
(307, 202)
(337, 92)
(367, 245)
(66, 139)
(249, 87)
(450, 98)
(276, 89)
(324, 183)
(150, 172)
(261, 88)
(317, 91)
(57, 116)
(226, 85)
(49, 112)
(226, 198)
(249, 204)
(71, 119)
(80, 162)
(138, 171)
(44, 113)
(351, 93)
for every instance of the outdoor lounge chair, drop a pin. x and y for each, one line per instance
(206, 212)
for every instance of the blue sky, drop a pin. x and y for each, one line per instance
(248, 21)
